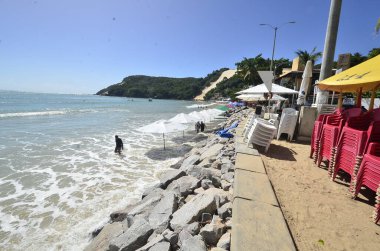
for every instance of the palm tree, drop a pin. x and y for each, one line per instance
(247, 70)
(377, 28)
(305, 55)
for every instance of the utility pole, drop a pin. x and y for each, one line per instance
(329, 49)
(275, 28)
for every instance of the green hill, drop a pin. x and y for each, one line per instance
(139, 86)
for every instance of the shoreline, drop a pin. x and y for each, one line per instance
(190, 207)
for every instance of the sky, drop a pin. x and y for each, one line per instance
(82, 46)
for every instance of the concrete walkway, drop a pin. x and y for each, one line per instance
(258, 223)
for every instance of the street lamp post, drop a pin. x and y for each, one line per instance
(275, 28)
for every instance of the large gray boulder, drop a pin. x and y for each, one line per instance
(225, 210)
(189, 161)
(151, 243)
(227, 167)
(183, 235)
(206, 184)
(218, 249)
(109, 232)
(162, 246)
(142, 207)
(193, 228)
(212, 151)
(206, 173)
(171, 237)
(221, 196)
(169, 176)
(225, 185)
(151, 189)
(191, 211)
(212, 232)
(194, 243)
(184, 185)
(160, 214)
(135, 237)
(228, 177)
(224, 241)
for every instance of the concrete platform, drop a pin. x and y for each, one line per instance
(243, 148)
(248, 162)
(239, 140)
(253, 186)
(259, 226)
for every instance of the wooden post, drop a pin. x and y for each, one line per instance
(163, 136)
(372, 100)
(340, 100)
(359, 98)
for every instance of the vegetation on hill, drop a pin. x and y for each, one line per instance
(246, 75)
(187, 88)
(140, 86)
(226, 88)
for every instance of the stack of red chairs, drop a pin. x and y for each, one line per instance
(315, 136)
(369, 175)
(351, 145)
(330, 135)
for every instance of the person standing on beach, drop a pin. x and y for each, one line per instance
(197, 126)
(119, 145)
(202, 126)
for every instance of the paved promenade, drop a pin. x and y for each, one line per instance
(258, 222)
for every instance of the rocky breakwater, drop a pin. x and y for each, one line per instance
(190, 209)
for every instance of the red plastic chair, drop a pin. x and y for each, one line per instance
(375, 113)
(369, 176)
(351, 148)
(330, 135)
(315, 136)
(317, 132)
(351, 145)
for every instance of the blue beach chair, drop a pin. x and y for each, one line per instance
(224, 133)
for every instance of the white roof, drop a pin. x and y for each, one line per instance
(258, 97)
(260, 89)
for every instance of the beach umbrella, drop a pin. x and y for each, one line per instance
(200, 116)
(360, 78)
(182, 118)
(163, 127)
(306, 79)
(258, 97)
(214, 112)
(262, 88)
(222, 108)
(207, 116)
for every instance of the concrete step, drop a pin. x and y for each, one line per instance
(248, 162)
(253, 186)
(258, 226)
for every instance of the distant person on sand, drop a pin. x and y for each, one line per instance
(202, 126)
(119, 145)
(197, 126)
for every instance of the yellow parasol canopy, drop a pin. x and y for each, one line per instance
(365, 75)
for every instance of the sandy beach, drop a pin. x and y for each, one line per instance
(320, 213)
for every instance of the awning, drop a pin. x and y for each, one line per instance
(365, 75)
(260, 89)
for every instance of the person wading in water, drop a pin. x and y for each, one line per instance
(119, 145)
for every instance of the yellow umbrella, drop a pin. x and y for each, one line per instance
(360, 78)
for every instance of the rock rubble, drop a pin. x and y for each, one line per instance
(190, 209)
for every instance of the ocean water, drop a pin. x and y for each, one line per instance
(59, 176)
